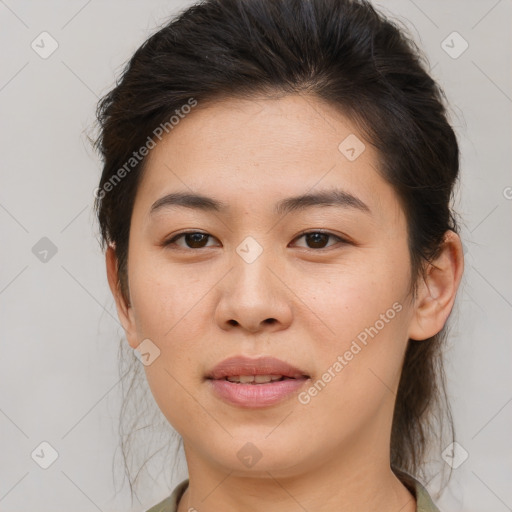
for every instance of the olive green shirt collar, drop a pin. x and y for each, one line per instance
(423, 501)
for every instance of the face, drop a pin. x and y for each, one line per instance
(321, 285)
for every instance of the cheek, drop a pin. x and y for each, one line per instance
(347, 300)
(172, 310)
(364, 317)
(357, 378)
(164, 299)
(166, 312)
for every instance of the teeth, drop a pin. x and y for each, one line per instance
(253, 379)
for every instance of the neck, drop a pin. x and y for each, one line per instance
(346, 482)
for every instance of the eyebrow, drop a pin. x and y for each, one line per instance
(331, 197)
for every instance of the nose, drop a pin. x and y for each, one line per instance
(253, 297)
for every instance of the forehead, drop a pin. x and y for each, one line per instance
(256, 151)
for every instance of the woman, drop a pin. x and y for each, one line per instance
(275, 203)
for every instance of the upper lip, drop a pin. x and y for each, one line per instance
(266, 365)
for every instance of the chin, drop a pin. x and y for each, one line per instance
(254, 456)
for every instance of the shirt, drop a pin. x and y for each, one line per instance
(170, 504)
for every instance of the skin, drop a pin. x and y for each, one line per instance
(201, 303)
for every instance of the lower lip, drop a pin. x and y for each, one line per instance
(256, 395)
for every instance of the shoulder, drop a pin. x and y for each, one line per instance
(170, 504)
(424, 502)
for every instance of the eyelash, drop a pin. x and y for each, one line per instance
(172, 240)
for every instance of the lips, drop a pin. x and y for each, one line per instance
(255, 383)
(240, 366)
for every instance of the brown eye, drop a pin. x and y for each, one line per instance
(193, 240)
(319, 239)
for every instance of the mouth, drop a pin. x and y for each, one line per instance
(254, 383)
(262, 370)
(258, 379)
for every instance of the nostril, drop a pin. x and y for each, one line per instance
(267, 321)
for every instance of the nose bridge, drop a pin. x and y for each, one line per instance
(251, 261)
(253, 294)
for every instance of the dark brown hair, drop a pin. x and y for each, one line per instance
(345, 53)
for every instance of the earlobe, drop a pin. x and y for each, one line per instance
(438, 289)
(124, 310)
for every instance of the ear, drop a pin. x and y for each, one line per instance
(437, 290)
(124, 310)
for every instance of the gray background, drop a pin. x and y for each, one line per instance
(59, 329)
